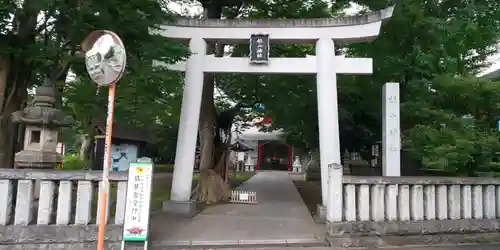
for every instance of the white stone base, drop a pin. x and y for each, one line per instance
(184, 208)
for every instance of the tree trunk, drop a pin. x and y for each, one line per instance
(14, 78)
(6, 142)
(86, 147)
(5, 127)
(12, 98)
(15, 74)
(8, 130)
(212, 187)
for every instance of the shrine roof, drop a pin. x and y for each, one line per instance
(125, 132)
(371, 17)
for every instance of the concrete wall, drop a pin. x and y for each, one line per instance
(76, 237)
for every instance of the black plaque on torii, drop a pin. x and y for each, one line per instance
(259, 48)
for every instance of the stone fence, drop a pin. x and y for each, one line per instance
(385, 206)
(42, 209)
(50, 209)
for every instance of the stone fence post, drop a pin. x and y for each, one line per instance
(335, 193)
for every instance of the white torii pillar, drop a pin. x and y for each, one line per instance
(187, 135)
(328, 111)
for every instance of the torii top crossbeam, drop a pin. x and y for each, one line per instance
(350, 29)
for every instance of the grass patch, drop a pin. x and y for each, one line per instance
(238, 177)
(158, 196)
(163, 168)
(111, 204)
(241, 177)
(160, 192)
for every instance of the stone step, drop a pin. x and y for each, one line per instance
(209, 244)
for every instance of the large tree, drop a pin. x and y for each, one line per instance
(457, 133)
(439, 39)
(39, 40)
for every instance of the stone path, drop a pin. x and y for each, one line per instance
(280, 218)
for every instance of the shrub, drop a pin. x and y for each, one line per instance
(313, 173)
(73, 162)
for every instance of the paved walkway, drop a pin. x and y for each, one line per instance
(279, 218)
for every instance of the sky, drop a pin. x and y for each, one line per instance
(495, 60)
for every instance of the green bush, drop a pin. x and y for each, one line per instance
(455, 151)
(73, 162)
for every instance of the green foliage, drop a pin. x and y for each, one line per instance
(145, 94)
(151, 97)
(457, 131)
(44, 35)
(73, 162)
(439, 42)
(466, 151)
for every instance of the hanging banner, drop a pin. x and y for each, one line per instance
(259, 49)
(136, 226)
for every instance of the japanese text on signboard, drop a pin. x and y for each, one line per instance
(259, 48)
(138, 199)
(394, 141)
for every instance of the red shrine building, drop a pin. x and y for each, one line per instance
(270, 151)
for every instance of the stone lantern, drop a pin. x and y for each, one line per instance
(42, 122)
(249, 165)
(297, 165)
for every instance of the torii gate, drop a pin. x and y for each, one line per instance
(324, 32)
